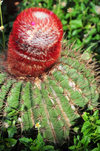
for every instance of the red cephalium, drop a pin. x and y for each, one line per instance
(34, 43)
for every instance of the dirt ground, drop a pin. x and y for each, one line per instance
(12, 5)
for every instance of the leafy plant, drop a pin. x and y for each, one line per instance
(89, 138)
(82, 25)
(28, 144)
(37, 144)
(6, 144)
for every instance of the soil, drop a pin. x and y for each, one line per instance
(12, 5)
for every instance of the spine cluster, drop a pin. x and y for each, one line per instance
(34, 43)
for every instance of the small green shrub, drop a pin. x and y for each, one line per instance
(36, 145)
(27, 144)
(89, 138)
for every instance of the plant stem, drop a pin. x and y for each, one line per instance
(3, 36)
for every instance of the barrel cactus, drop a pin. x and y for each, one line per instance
(52, 95)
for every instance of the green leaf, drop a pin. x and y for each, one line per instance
(48, 148)
(85, 141)
(11, 142)
(76, 32)
(96, 114)
(93, 31)
(98, 130)
(88, 39)
(74, 24)
(86, 128)
(11, 131)
(65, 27)
(25, 140)
(64, 22)
(98, 122)
(85, 116)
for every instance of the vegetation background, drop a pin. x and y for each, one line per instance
(81, 24)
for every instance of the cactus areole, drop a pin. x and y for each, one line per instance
(34, 43)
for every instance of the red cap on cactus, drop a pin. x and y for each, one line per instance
(34, 43)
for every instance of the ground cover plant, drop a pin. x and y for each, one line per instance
(24, 144)
(89, 139)
(55, 101)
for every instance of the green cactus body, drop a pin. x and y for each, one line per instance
(54, 100)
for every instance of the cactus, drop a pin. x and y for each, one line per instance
(34, 43)
(54, 99)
